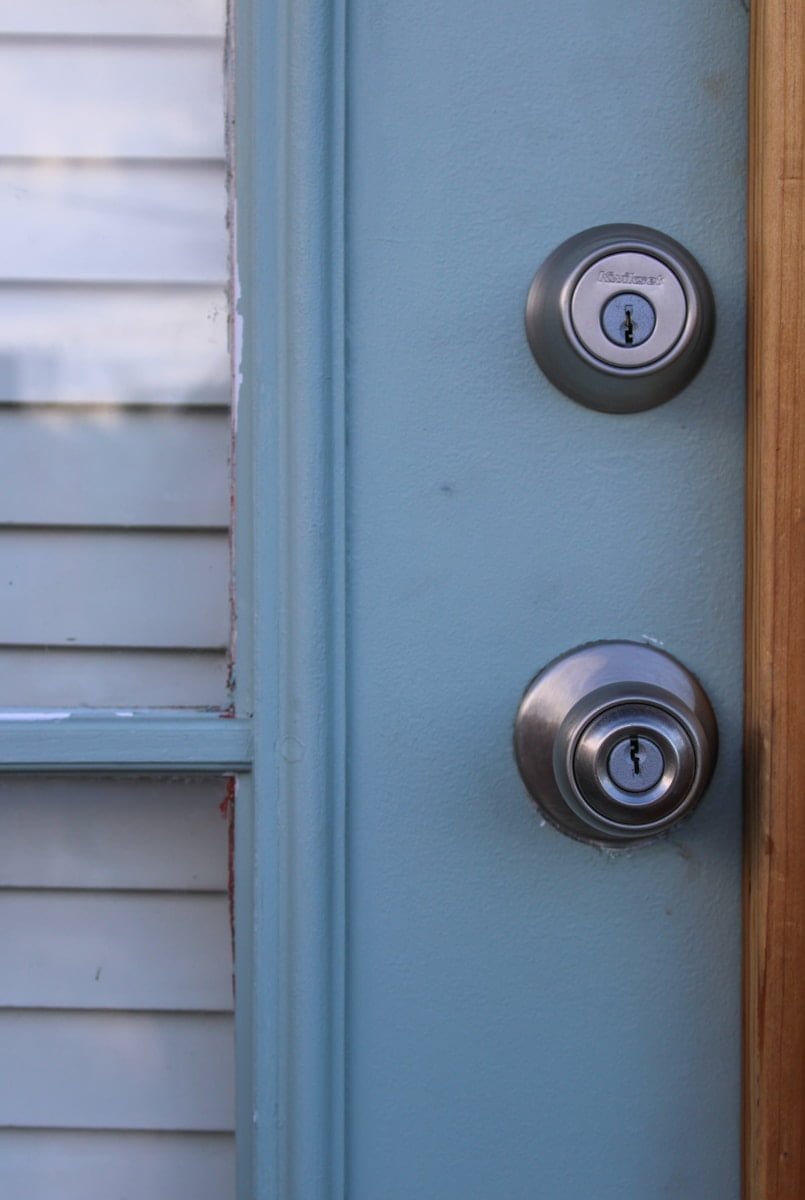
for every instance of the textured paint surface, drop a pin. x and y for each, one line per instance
(529, 1017)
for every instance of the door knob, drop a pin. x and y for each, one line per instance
(620, 317)
(615, 741)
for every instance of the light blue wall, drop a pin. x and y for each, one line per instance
(529, 1018)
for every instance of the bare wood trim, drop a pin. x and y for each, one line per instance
(774, 1088)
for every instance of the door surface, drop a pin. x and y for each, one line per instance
(524, 1017)
(530, 1017)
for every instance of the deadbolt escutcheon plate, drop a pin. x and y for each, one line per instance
(593, 719)
(620, 317)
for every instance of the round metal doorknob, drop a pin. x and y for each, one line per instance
(615, 741)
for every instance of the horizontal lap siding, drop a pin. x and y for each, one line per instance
(31, 677)
(113, 345)
(128, 834)
(116, 991)
(102, 587)
(100, 1165)
(114, 363)
(166, 18)
(116, 1031)
(122, 1070)
(130, 222)
(88, 467)
(110, 950)
(166, 100)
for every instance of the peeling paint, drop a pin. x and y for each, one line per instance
(235, 337)
(48, 715)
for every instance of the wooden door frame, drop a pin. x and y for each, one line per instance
(774, 1083)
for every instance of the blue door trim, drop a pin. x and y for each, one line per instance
(291, 554)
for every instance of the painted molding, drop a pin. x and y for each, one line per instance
(290, 106)
(122, 743)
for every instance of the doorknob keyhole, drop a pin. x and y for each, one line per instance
(634, 750)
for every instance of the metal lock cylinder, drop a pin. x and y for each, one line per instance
(620, 317)
(615, 741)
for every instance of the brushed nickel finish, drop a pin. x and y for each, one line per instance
(581, 709)
(567, 317)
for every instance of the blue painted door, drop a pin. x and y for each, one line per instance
(528, 1017)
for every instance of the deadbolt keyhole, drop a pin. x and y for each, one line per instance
(628, 319)
(628, 337)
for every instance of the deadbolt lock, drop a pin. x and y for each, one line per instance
(620, 317)
(615, 741)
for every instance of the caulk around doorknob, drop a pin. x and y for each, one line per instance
(615, 741)
(620, 317)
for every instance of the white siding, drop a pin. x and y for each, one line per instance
(67, 1165)
(156, 103)
(115, 950)
(98, 1070)
(132, 835)
(116, 989)
(114, 367)
(87, 468)
(109, 223)
(56, 587)
(177, 18)
(115, 345)
(32, 676)
(116, 1038)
